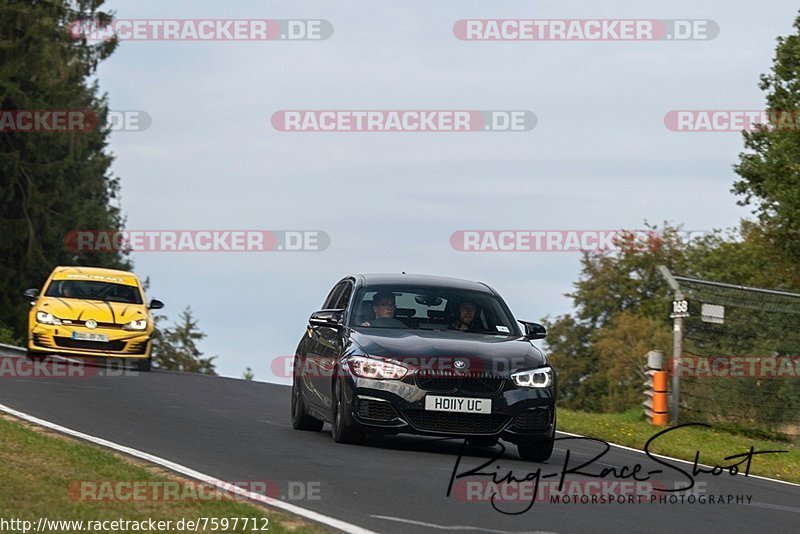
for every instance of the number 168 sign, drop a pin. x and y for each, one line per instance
(680, 308)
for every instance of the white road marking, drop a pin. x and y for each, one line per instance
(458, 527)
(678, 459)
(770, 506)
(191, 473)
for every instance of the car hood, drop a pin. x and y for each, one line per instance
(100, 311)
(438, 349)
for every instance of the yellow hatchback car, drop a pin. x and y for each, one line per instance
(91, 312)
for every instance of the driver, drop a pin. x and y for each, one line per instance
(67, 290)
(383, 306)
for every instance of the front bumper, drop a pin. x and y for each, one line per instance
(57, 339)
(392, 407)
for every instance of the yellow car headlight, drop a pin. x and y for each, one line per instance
(47, 318)
(140, 324)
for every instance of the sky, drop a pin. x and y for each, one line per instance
(600, 156)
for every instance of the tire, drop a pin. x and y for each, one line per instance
(343, 428)
(300, 419)
(144, 365)
(537, 450)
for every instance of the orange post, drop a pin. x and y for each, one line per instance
(660, 419)
(656, 400)
(660, 380)
(660, 401)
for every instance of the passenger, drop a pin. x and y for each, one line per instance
(466, 317)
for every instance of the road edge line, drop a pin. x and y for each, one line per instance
(191, 473)
(674, 459)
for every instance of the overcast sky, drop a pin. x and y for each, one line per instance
(600, 156)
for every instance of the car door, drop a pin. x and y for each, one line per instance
(325, 347)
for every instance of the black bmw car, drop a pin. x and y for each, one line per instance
(397, 353)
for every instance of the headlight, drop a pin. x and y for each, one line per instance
(47, 318)
(141, 324)
(371, 368)
(536, 378)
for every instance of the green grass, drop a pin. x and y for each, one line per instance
(632, 430)
(38, 467)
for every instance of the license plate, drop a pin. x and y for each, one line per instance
(437, 403)
(87, 336)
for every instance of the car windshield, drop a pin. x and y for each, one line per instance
(427, 308)
(94, 290)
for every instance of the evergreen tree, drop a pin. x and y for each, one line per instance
(175, 349)
(50, 182)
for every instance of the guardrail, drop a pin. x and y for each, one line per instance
(10, 350)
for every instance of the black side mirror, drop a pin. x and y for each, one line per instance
(155, 304)
(32, 293)
(331, 318)
(534, 330)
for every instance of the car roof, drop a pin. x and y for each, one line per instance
(78, 272)
(421, 280)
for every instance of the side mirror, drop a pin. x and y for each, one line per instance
(32, 293)
(534, 330)
(155, 304)
(330, 318)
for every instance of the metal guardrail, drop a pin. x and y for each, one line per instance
(718, 322)
(10, 350)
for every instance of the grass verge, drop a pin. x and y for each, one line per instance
(632, 430)
(39, 467)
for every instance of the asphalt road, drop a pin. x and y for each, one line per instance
(239, 431)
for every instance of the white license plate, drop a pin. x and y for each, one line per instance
(438, 403)
(87, 336)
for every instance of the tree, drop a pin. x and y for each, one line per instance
(7, 336)
(770, 170)
(569, 343)
(618, 296)
(621, 347)
(628, 280)
(50, 182)
(621, 301)
(747, 256)
(175, 349)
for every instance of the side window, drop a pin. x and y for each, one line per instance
(344, 297)
(339, 296)
(332, 297)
